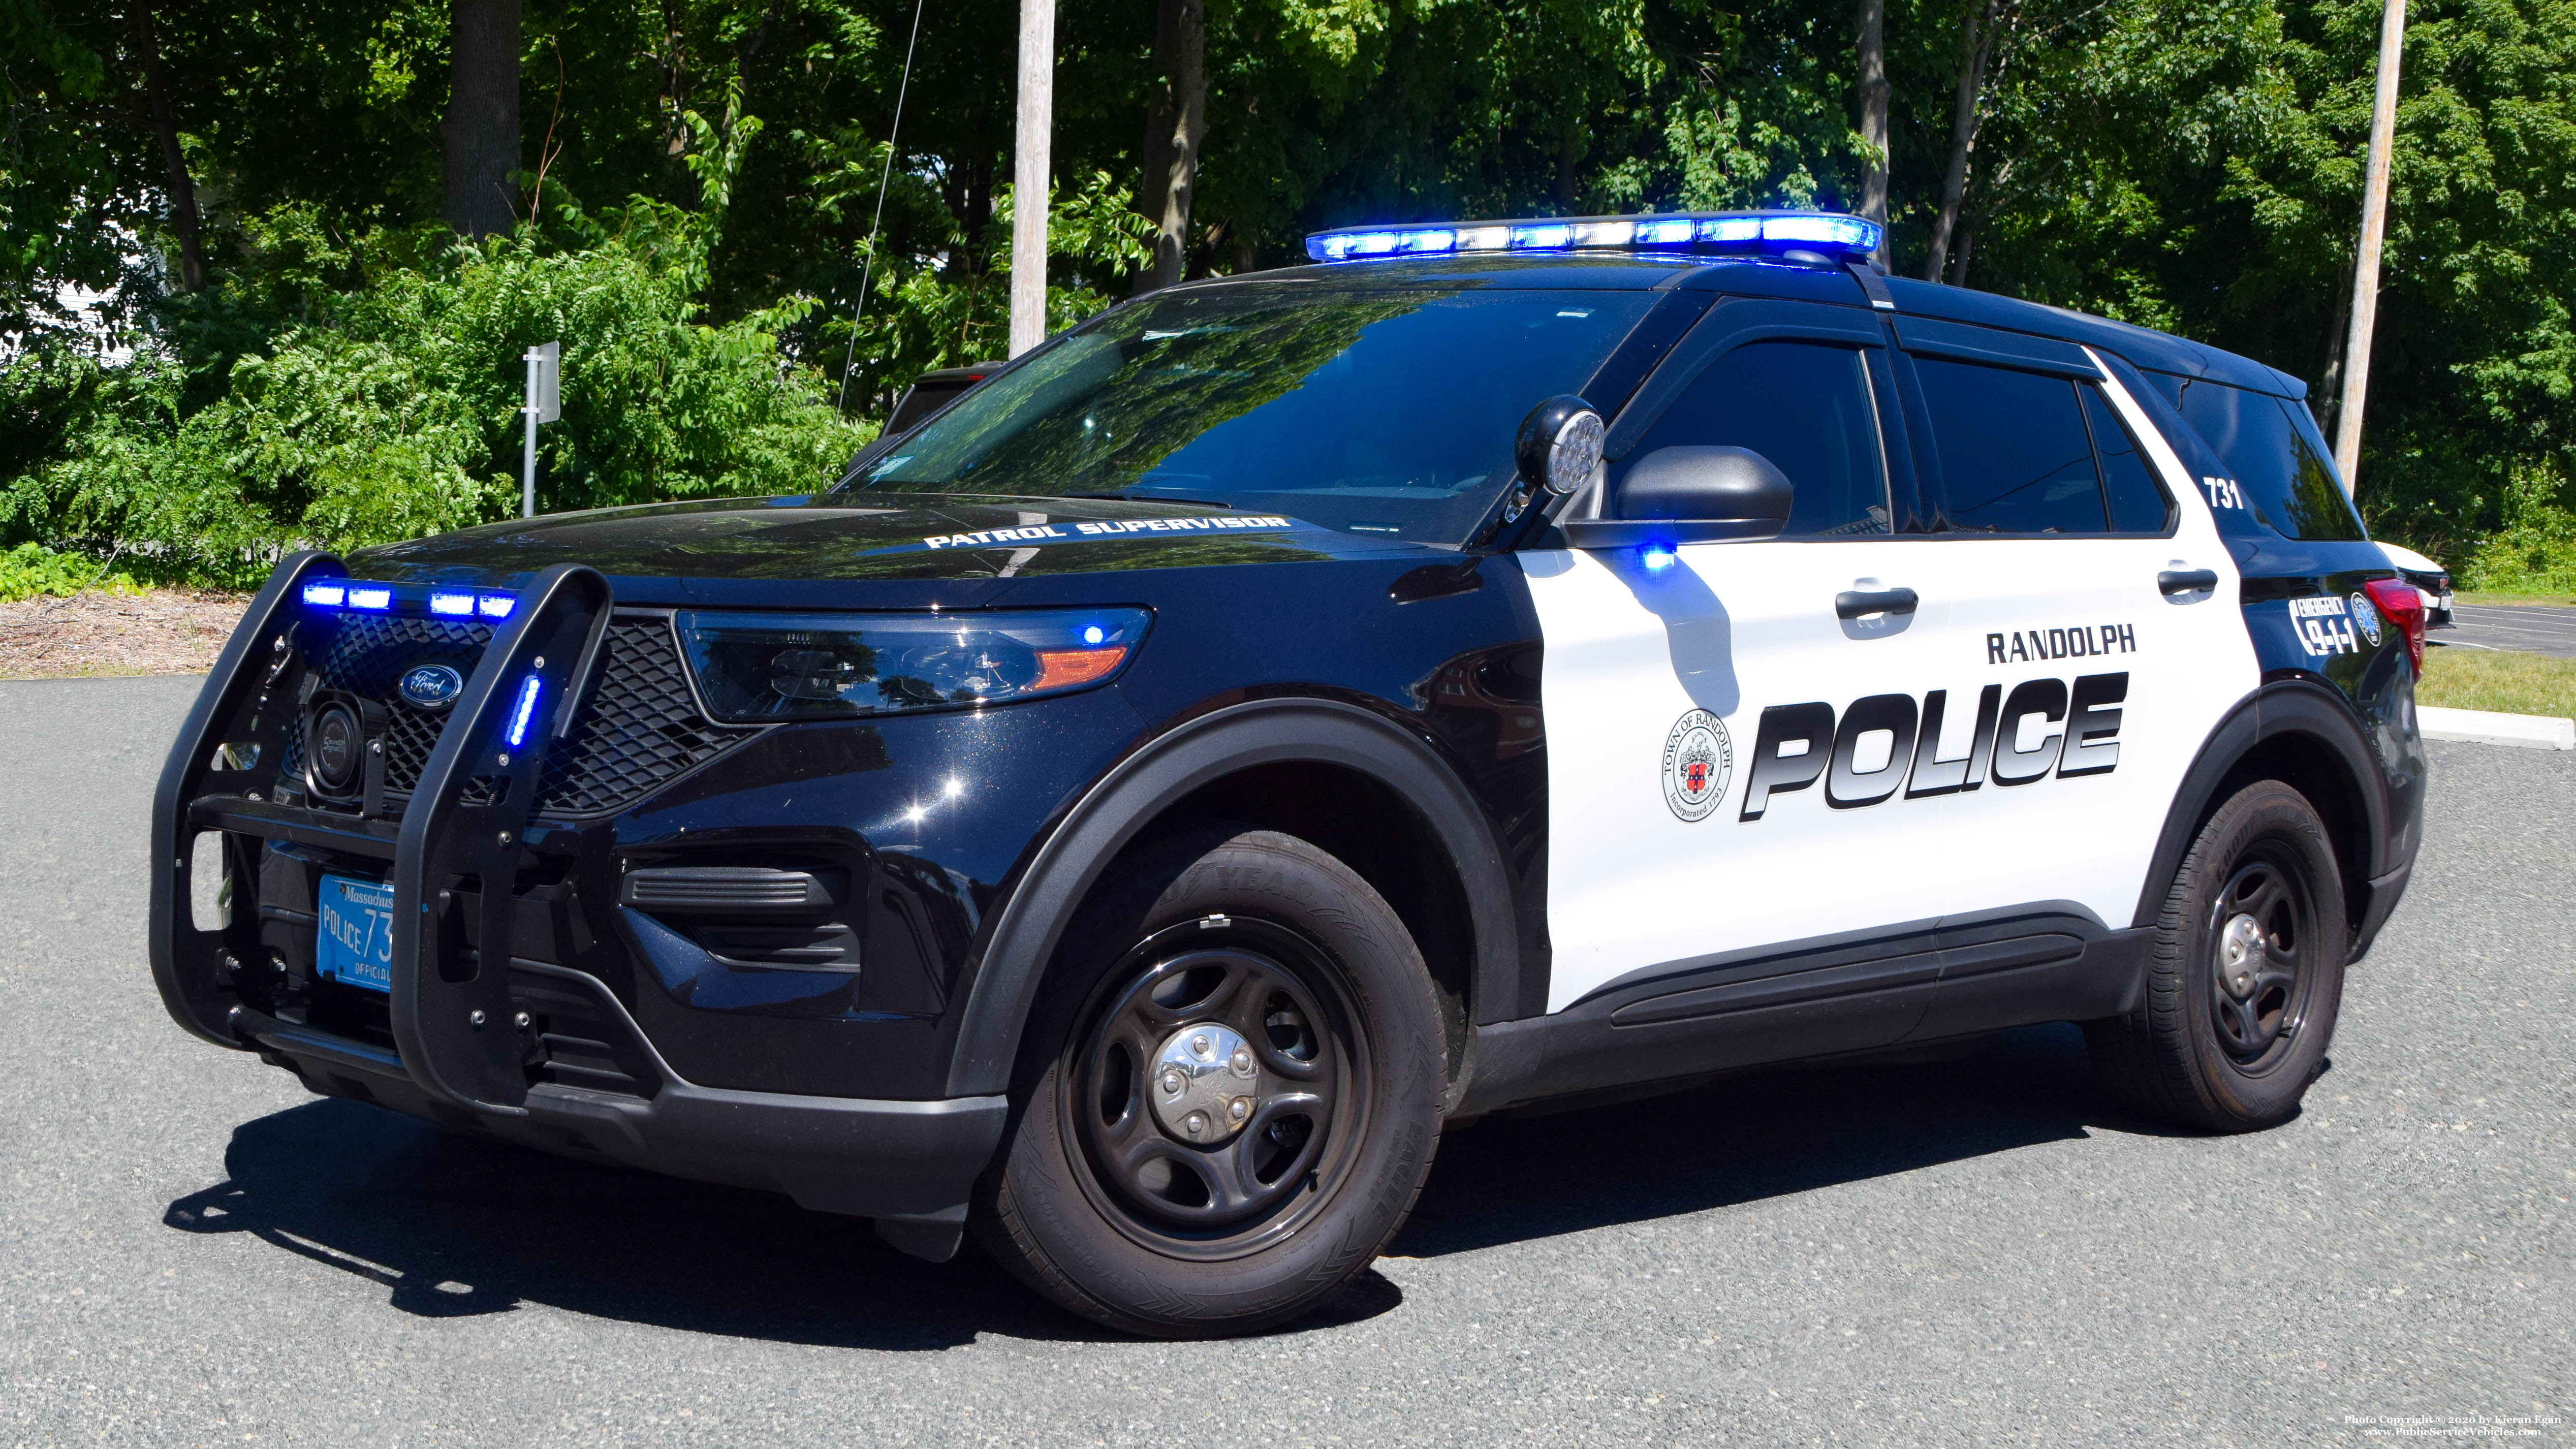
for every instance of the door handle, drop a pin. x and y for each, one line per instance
(1855, 603)
(2186, 581)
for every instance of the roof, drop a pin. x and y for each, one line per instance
(1770, 276)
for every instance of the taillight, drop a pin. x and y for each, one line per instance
(2403, 606)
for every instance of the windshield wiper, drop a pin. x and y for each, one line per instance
(1151, 498)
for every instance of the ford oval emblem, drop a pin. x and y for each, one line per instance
(432, 686)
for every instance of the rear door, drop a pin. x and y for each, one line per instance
(2092, 608)
(1730, 725)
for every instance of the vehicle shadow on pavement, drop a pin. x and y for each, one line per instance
(1759, 1135)
(453, 1226)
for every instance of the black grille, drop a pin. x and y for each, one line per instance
(639, 727)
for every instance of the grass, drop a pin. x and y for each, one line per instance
(2467, 596)
(2505, 682)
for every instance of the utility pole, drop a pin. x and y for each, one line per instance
(2374, 230)
(1029, 174)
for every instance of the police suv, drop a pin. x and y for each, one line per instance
(1138, 807)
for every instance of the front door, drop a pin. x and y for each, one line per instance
(1730, 726)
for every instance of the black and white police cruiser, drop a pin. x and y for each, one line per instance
(1137, 808)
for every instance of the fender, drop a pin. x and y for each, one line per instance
(1144, 785)
(2279, 707)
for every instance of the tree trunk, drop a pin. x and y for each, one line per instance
(165, 129)
(1976, 42)
(479, 138)
(1175, 126)
(1874, 91)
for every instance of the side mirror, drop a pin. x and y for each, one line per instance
(1689, 495)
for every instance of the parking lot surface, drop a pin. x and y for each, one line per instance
(2529, 628)
(194, 1250)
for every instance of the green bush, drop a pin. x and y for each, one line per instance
(33, 571)
(2535, 551)
(394, 411)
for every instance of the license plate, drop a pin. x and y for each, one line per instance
(354, 939)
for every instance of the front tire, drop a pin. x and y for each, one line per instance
(1230, 1092)
(2246, 975)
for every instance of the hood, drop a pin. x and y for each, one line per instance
(835, 537)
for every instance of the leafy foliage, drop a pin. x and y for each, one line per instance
(2188, 164)
(32, 571)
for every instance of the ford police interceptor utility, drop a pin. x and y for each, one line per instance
(1141, 804)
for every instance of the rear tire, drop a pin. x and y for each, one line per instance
(2246, 975)
(1229, 1095)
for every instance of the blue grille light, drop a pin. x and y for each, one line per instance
(327, 595)
(371, 597)
(1094, 634)
(1659, 557)
(453, 604)
(1848, 236)
(495, 606)
(525, 710)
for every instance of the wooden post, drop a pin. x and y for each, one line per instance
(2374, 229)
(1029, 175)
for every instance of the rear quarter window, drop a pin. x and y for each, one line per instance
(2277, 459)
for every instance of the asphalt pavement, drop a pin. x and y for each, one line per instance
(194, 1250)
(2528, 628)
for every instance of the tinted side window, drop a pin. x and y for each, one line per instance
(1805, 406)
(2138, 504)
(2015, 454)
(2285, 481)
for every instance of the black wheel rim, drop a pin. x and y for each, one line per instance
(1250, 1181)
(2261, 938)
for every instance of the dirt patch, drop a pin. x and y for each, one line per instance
(167, 631)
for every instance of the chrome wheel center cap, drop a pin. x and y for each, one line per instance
(1206, 1083)
(2240, 951)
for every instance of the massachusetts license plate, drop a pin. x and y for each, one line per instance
(354, 941)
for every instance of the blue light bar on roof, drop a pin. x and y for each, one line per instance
(1756, 231)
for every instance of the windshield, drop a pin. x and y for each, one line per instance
(1385, 412)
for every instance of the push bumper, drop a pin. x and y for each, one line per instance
(909, 1164)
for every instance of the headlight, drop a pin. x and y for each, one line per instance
(755, 667)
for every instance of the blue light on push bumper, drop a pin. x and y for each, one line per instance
(379, 598)
(525, 710)
(1848, 236)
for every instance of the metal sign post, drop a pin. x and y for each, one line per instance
(544, 404)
